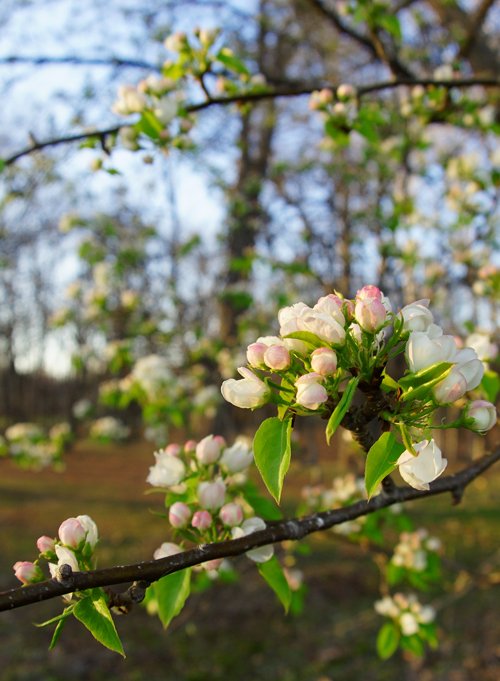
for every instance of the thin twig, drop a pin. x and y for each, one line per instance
(256, 97)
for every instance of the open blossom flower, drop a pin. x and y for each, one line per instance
(310, 393)
(424, 349)
(370, 311)
(65, 556)
(247, 393)
(417, 316)
(418, 471)
(255, 524)
(326, 321)
(91, 533)
(168, 470)
(483, 415)
(237, 457)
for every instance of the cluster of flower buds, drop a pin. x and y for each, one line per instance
(77, 538)
(413, 549)
(324, 349)
(406, 612)
(204, 484)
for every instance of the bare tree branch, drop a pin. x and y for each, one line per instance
(295, 91)
(477, 22)
(80, 61)
(143, 574)
(392, 61)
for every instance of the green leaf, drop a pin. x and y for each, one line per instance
(434, 373)
(263, 506)
(388, 383)
(57, 633)
(93, 612)
(3, 165)
(341, 409)
(171, 592)
(391, 24)
(307, 337)
(387, 640)
(381, 460)
(273, 574)
(413, 644)
(149, 125)
(272, 451)
(226, 57)
(491, 385)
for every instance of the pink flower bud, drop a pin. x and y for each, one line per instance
(310, 392)
(255, 354)
(208, 450)
(72, 533)
(179, 514)
(370, 311)
(324, 361)
(201, 520)
(190, 446)
(231, 514)
(483, 415)
(173, 449)
(45, 544)
(27, 572)
(277, 357)
(211, 495)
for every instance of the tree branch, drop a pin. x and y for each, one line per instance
(80, 61)
(369, 44)
(295, 91)
(142, 574)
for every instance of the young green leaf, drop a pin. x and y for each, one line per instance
(341, 409)
(435, 372)
(272, 452)
(226, 56)
(93, 612)
(57, 633)
(491, 385)
(171, 593)
(387, 640)
(272, 572)
(307, 337)
(381, 460)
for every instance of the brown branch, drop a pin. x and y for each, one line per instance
(477, 22)
(80, 61)
(368, 43)
(145, 573)
(256, 97)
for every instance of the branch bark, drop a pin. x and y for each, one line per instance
(256, 97)
(142, 574)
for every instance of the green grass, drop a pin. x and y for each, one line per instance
(239, 631)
